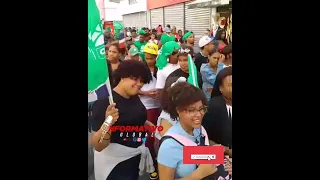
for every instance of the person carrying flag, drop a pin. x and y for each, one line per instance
(185, 61)
(117, 157)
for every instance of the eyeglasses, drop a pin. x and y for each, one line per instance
(194, 112)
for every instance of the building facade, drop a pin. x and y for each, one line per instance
(134, 13)
(192, 15)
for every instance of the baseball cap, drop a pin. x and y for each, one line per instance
(133, 51)
(151, 48)
(204, 40)
(167, 30)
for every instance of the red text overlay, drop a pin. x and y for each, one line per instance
(203, 155)
(135, 128)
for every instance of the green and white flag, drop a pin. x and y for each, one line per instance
(193, 73)
(98, 76)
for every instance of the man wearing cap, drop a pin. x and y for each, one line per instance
(167, 62)
(141, 43)
(206, 46)
(133, 54)
(166, 37)
(183, 71)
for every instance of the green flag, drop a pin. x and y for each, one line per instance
(98, 75)
(193, 74)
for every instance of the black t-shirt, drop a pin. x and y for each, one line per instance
(199, 60)
(180, 73)
(131, 113)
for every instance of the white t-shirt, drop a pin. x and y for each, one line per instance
(147, 101)
(164, 73)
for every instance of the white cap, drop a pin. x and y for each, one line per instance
(204, 41)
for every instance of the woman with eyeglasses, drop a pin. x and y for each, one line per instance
(188, 104)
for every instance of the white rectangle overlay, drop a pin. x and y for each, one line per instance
(203, 156)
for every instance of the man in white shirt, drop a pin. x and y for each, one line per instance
(167, 62)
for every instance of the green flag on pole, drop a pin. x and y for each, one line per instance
(193, 74)
(98, 76)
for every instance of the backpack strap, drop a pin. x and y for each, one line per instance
(204, 132)
(183, 140)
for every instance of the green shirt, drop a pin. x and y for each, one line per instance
(140, 47)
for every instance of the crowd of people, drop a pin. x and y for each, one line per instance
(149, 85)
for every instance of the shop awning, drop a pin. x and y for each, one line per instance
(206, 3)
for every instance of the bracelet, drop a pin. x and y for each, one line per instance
(109, 136)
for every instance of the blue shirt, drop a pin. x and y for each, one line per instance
(170, 153)
(208, 78)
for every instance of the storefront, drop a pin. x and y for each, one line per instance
(219, 10)
(164, 12)
(197, 21)
(156, 17)
(174, 15)
(137, 20)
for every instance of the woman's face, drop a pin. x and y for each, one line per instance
(214, 59)
(131, 86)
(113, 54)
(190, 39)
(180, 32)
(192, 115)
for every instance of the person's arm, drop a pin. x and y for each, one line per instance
(207, 75)
(159, 45)
(168, 162)
(142, 93)
(168, 173)
(161, 80)
(98, 117)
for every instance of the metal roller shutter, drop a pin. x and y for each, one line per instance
(174, 15)
(138, 20)
(197, 20)
(157, 17)
(142, 19)
(128, 20)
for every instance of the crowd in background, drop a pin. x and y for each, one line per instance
(149, 73)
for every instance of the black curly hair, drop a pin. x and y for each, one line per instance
(134, 69)
(180, 96)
